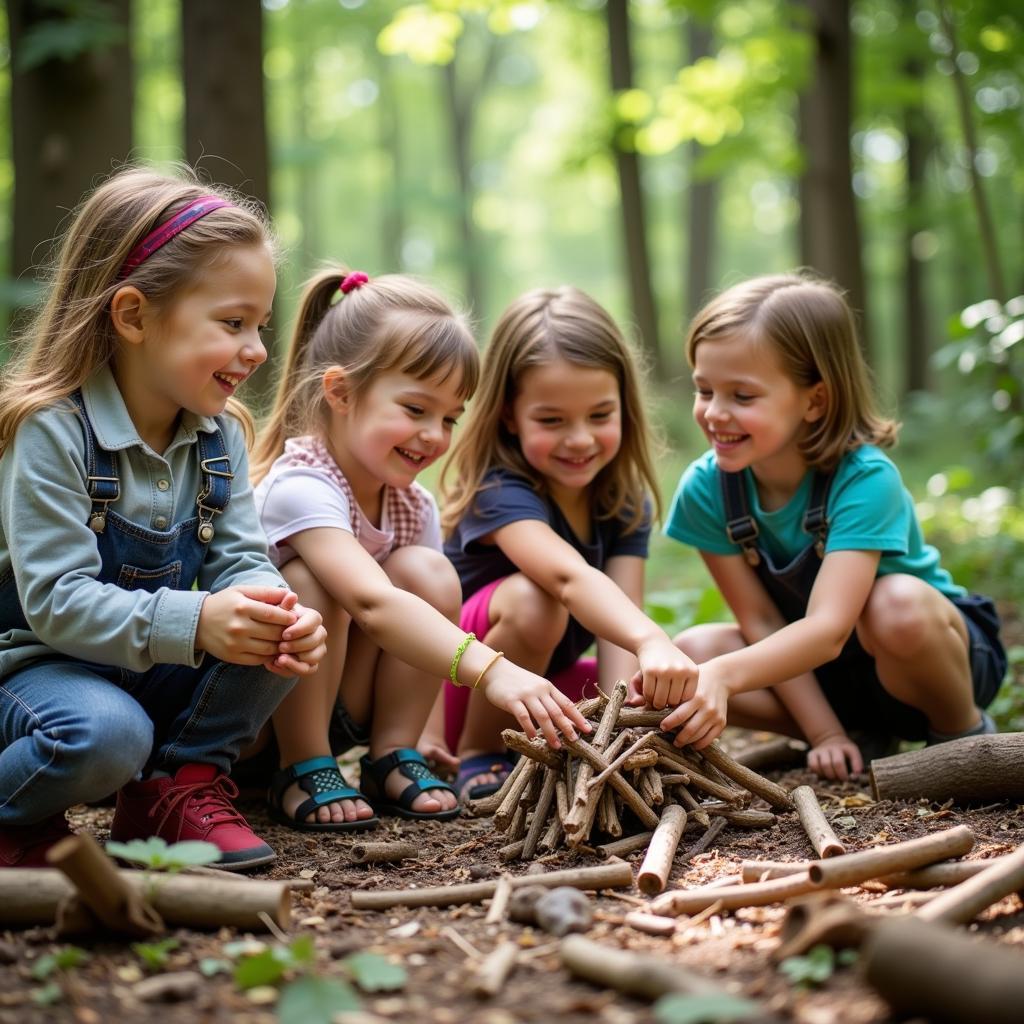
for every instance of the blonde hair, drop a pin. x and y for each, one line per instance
(809, 325)
(393, 321)
(72, 334)
(537, 328)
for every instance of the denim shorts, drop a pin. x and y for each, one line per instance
(861, 702)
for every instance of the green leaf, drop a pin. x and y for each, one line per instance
(156, 854)
(708, 1009)
(154, 954)
(62, 960)
(48, 994)
(813, 969)
(315, 1001)
(375, 973)
(266, 968)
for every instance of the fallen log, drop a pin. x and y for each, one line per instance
(824, 841)
(611, 875)
(972, 770)
(930, 971)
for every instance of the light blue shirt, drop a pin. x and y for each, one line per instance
(46, 542)
(869, 509)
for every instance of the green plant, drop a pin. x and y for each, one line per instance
(817, 966)
(156, 854)
(66, 959)
(155, 954)
(707, 1009)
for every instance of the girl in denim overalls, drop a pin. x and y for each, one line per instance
(847, 627)
(144, 635)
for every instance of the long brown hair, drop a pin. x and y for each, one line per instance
(72, 334)
(808, 323)
(539, 327)
(391, 321)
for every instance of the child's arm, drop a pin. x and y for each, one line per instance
(413, 631)
(779, 653)
(600, 605)
(613, 662)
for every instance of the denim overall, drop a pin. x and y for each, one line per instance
(850, 682)
(66, 734)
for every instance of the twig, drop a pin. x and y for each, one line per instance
(823, 840)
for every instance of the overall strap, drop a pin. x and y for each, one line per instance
(739, 523)
(100, 468)
(217, 476)
(815, 518)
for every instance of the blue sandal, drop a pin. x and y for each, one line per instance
(321, 779)
(412, 764)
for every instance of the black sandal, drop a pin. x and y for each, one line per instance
(412, 764)
(320, 777)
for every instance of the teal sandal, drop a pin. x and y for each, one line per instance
(321, 779)
(413, 766)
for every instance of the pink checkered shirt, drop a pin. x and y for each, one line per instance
(408, 510)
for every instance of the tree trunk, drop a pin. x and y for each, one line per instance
(830, 239)
(634, 216)
(915, 308)
(71, 122)
(976, 769)
(702, 199)
(392, 205)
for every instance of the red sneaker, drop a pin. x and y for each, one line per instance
(25, 846)
(193, 805)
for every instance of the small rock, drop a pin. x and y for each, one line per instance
(522, 904)
(168, 988)
(477, 871)
(564, 910)
(262, 995)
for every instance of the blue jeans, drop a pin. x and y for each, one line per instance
(72, 731)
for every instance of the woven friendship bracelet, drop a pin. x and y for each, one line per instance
(487, 668)
(453, 672)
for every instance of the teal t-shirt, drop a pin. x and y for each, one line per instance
(868, 509)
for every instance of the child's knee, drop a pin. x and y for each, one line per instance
(538, 619)
(707, 641)
(103, 752)
(895, 620)
(429, 575)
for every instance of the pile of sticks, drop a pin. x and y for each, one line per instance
(628, 782)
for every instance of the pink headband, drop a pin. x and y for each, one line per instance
(163, 233)
(352, 281)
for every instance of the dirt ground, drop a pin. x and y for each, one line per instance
(438, 947)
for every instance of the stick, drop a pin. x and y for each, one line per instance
(773, 793)
(711, 833)
(687, 799)
(511, 851)
(650, 786)
(630, 796)
(650, 924)
(951, 872)
(745, 817)
(641, 759)
(608, 814)
(540, 812)
(561, 800)
(851, 868)
(644, 741)
(625, 846)
(499, 901)
(759, 894)
(536, 750)
(614, 874)
(778, 753)
(657, 864)
(510, 804)
(382, 853)
(965, 901)
(553, 836)
(635, 974)
(493, 972)
(823, 839)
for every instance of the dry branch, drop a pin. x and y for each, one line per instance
(492, 974)
(823, 840)
(965, 901)
(657, 864)
(731, 897)
(769, 791)
(382, 853)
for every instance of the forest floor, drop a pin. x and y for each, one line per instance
(436, 947)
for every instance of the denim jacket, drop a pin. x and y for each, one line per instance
(46, 541)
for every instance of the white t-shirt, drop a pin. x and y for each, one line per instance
(290, 499)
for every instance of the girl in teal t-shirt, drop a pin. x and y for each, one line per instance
(845, 620)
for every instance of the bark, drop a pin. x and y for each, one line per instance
(613, 875)
(928, 971)
(634, 211)
(976, 769)
(510, 804)
(657, 864)
(71, 121)
(540, 813)
(830, 236)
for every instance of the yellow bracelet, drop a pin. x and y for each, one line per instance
(453, 672)
(488, 667)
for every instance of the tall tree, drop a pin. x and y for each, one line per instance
(830, 237)
(222, 55)
(701, 195)
(627, 162)
(71, 111)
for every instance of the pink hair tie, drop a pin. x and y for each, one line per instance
(352, 281)
(163, 233)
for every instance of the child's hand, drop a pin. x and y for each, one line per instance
(303, 643)
(243, 625)
(830, 756)
(702, 717)
(533, 702)
(669, 676)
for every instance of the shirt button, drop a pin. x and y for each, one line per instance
(160, 522)
(163, 484)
